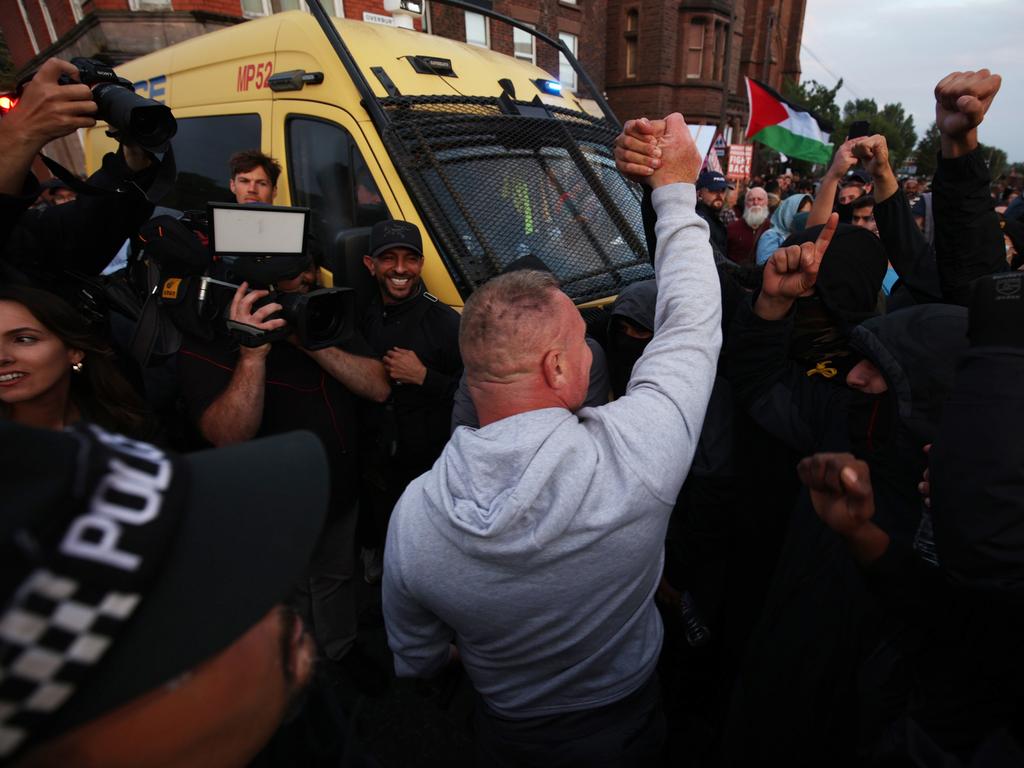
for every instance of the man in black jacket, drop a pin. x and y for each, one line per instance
(711, 187)
(417, 338)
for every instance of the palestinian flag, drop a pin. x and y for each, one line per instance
(785, 126)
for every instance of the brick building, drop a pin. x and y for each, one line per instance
(691, 56)
(650, 57)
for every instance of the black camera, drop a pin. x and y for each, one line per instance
(319, 319)
(132, 118)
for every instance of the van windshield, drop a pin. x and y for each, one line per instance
(494, 187)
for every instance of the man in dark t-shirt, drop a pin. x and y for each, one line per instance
(235, 393)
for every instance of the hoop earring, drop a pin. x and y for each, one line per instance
(77, 367)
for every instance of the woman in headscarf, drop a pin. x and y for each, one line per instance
(782, 223)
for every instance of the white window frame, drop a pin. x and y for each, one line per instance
(267, 10)
(48, 20)
(690, 48)
(487, 29)
(532, 58)
(76, 10)
(572, 42)
(28, 26)
(150, 5)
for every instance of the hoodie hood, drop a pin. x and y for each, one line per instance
(782, 219)
(500, 477)
(636, 303)
(917, 350)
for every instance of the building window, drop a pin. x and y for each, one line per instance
(149, 5)
(256, 8)
(48, 20)
(524, 45)
(28, 26)
(477, 30)
(632, 23)
(694, 48)
(721, 38)
(566, 74)
(76, 10)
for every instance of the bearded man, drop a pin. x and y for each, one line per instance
(742, 235)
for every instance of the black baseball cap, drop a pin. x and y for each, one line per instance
(713, 181)
(856, 176)
(123, 566)
(395, 234)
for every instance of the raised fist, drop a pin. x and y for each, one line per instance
(962, 99)
(636, 149)
(792, 271)
(873, 151)
(680, 158)
(841, 491)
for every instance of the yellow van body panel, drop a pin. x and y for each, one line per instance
(226, 72)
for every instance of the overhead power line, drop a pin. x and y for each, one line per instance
(834, 76)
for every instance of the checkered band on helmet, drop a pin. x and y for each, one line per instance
(53, 632)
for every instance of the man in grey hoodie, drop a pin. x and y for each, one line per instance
(535, 544)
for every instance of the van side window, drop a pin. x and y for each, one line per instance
(326, 172)
(202, 147)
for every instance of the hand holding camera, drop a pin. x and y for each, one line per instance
(246, 317)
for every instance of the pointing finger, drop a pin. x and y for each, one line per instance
(827, 232)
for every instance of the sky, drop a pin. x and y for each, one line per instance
(897, 50)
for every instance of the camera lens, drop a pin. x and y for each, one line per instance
(142, 121)
(322, 318)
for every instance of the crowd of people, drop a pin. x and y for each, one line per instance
(767, 508)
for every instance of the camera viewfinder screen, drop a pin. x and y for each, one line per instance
(257, 230)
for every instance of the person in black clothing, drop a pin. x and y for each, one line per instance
(711, 188)
(417, 338)
(85, 234)
(237, 393)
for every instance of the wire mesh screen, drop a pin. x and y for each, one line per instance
(494, 187)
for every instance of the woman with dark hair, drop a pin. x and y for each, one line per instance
(55, 371)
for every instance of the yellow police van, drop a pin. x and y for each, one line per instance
(482, 151)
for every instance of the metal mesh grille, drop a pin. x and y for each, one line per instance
(494, 187)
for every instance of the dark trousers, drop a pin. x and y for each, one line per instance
(326, 595)
(627, 733)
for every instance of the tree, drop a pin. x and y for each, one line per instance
(996, 159)
(928, 152)
(891, 121)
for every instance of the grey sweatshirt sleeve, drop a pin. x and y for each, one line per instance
(654, 427)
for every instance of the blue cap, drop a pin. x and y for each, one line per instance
(712, 181)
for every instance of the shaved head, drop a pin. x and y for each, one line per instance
(507, 325)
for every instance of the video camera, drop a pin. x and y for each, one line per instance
(259, 244)
(132, 118)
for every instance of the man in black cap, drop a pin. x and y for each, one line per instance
(711, 187)
(417, 338)
(141, 596)
(856, 183)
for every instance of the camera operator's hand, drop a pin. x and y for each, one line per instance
(873, 152)
(45, 111)
(404, 366)
(241, 311)
(792, 272)
(961, 101)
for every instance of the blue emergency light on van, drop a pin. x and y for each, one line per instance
(549, 86)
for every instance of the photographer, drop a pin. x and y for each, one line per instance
(235, 393)
(84, 235)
